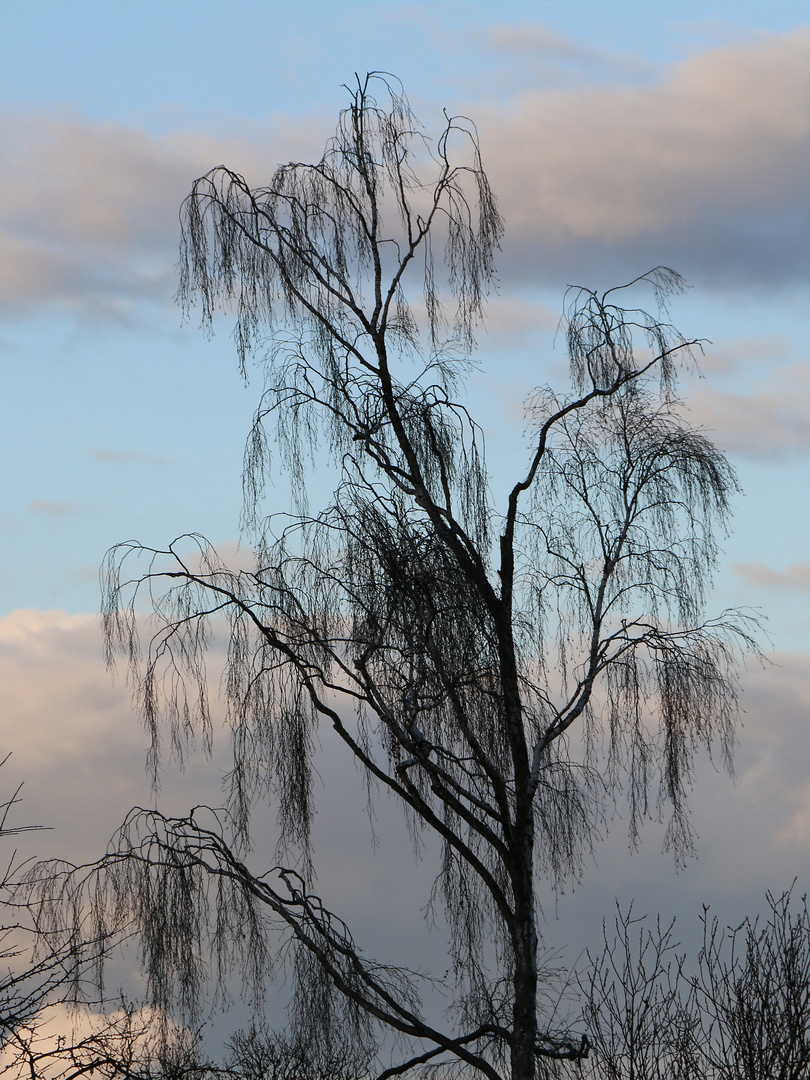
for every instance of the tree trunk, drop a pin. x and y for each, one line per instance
(524, 1010)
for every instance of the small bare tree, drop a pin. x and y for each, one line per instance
(638, 1007)
(39, 973)
(472, 657)
(753, 990)
(28, 982)
(257, 1055)
(740, 1012)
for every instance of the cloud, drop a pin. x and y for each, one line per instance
(704, 169)
(795, 578)
(55, 509)
(85, 216)
(79, 749)
(59, 1030)
(516, 322)
(733, 356)
(73, 735)
(775, 763)
(89, 215)
(549, 55)
(77, 745)
(106, 456)
(539, 38)
(769, 420)
(752, 832)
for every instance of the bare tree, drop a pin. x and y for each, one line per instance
(474, 658)
(257, 1055)
(741, 1012)
(123, 1043)
(39, 977)
(27, 981)
(753, 990)
(638, 1006)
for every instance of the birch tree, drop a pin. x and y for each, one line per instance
(477, 654)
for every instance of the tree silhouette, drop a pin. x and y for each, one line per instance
(742, 1012)
(474, 656)
(40, 968)
(753, 991)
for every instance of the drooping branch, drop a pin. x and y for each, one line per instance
(192, 873)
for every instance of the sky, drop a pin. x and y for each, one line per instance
(616, 136)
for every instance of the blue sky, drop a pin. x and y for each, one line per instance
(617, 136)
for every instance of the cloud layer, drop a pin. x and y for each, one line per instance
(704, 169)
(79, 749)
(89, 218)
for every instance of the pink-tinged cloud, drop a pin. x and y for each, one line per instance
(63, 1025)
(89, 215)
(763, 422)
(795, 578)
(704, 169)
(74, 738)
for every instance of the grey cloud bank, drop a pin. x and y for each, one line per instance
(705, 169)
(89, 219)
